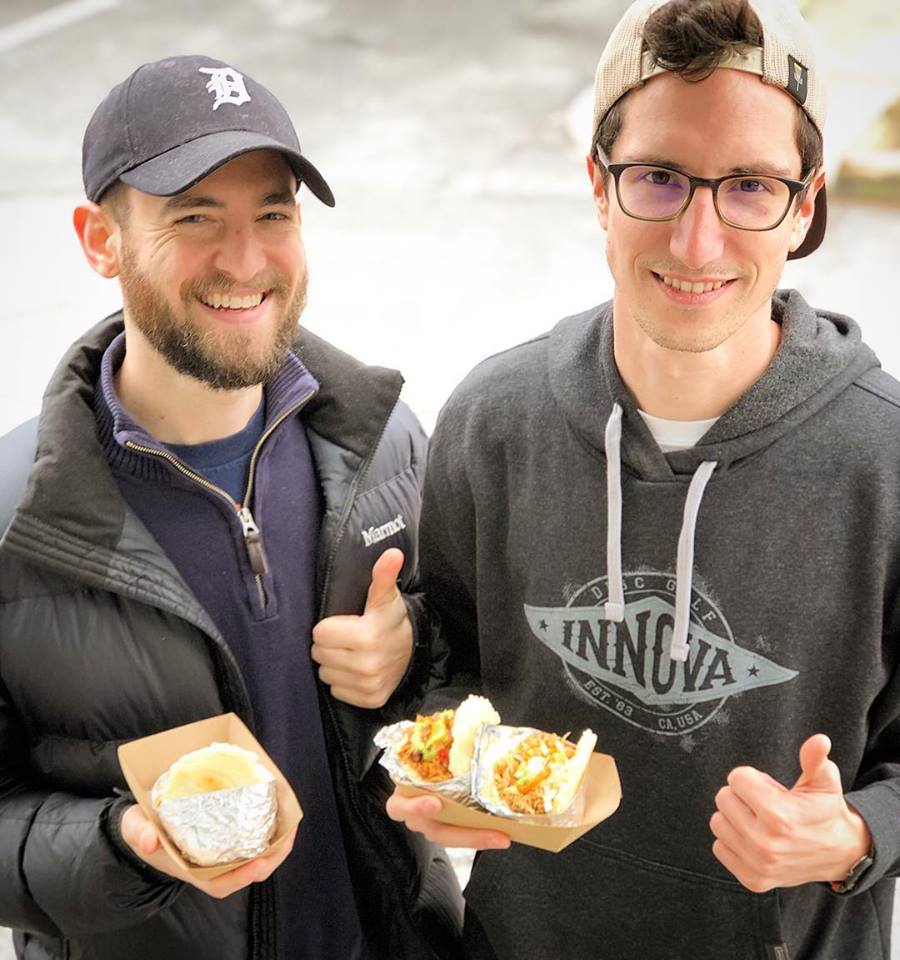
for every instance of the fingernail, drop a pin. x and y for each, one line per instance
(500, 843)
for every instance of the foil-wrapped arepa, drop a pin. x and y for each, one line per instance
(217, 804)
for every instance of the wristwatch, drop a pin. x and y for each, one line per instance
(854, 876)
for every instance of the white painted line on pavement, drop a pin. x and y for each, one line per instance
(53, 19)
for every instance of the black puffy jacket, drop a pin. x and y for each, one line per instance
(101, 641)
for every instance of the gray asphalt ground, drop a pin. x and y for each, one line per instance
(453, 136)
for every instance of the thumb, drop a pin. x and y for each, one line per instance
(383, 588)
(148, 839)
(818, 773)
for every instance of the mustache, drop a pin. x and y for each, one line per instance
(220, 283)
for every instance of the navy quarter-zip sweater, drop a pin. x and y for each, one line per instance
(266, 619)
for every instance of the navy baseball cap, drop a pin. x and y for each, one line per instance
(173, 122)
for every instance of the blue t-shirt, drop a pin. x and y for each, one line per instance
(225, 462)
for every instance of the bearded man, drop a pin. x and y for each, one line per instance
(183, 537)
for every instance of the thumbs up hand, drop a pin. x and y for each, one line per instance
(770, 836)
(363, 658)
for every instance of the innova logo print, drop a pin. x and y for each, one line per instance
(625, 667)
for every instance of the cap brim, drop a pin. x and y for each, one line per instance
(183, 166)
(816, 232)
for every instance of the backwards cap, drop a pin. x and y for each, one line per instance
(786, 59)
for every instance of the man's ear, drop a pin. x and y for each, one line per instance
(803, 215)
(100, 238)
(601, 198)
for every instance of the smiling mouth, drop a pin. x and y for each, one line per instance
(226, 301)
(692, 286)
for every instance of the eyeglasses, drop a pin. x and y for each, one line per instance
(748, 202)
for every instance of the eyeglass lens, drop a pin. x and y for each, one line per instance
(657, 193)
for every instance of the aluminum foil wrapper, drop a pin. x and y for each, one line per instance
(221, 826)
(495, 741)
(391, 739)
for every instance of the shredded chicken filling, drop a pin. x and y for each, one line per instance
(521, 776)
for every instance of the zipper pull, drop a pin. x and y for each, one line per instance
(253, 540)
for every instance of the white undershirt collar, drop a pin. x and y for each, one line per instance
(673, 435)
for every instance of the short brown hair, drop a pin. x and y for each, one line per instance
(689, 38)
(115, 202)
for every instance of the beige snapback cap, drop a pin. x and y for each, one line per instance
(786, 59)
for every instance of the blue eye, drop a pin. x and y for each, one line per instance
(656, 180)
(751, 186)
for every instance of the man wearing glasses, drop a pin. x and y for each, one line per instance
(675, 519)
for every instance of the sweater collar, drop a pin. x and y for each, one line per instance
(119, 432)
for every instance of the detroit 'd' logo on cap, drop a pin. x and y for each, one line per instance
(227, 85)
(625, 667)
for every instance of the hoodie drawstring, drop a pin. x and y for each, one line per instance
(614, 608)
(684, 570)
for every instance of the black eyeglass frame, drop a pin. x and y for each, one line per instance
(794, 186)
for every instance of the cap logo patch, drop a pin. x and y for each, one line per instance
(227, 85)
(797, 87)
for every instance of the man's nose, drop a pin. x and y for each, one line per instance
(698, 236)
(240, 255)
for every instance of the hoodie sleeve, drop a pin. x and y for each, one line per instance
(61, 874)
(875, 793)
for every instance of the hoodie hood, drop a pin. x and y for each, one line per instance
(820, 355)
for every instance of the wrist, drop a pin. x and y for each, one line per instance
(856, 853)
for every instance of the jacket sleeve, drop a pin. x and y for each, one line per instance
(61, 873)
(427, 663)
(448, 563)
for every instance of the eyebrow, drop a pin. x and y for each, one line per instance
(763, 167)
(189, 201)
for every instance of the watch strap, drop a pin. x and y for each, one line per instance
(854, 875)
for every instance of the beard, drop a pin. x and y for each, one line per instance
(224, 359)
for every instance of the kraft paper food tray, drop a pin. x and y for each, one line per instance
(144, 760)
(603, 792)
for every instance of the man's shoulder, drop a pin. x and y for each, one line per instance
(517, 370)
(881, 385)
(17, 450)
(518, 374)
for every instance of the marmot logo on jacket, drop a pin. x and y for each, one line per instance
(374, 534)
(625, 667)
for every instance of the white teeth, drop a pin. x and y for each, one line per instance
(222, 301)
(687, 286)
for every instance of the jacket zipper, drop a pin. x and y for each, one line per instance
(249, 528)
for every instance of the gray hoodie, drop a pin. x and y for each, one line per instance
(700, 610)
